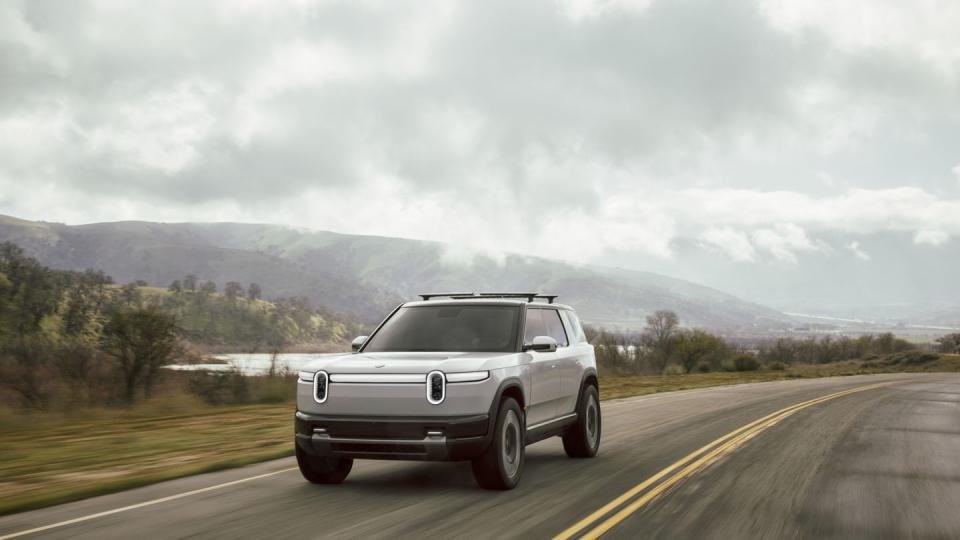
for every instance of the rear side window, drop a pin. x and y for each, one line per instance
(576, 330)
(544, 322)
(551, 318)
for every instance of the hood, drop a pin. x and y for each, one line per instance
(415, 362)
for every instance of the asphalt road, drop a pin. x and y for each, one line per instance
(877, 462)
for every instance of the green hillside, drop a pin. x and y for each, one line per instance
(60, 305)
(366, 276)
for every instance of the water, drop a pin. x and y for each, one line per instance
(255, 363)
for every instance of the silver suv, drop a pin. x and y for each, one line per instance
(453, 377)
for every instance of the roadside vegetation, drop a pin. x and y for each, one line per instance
(72, 340)
(78, 350)
(664, 347)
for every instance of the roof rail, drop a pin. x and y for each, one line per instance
(530, 296)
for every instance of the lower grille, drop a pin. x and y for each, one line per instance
(379, 448)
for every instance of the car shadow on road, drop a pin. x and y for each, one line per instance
(381, 477)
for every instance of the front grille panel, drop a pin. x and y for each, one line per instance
(436, 387)
(321, 382)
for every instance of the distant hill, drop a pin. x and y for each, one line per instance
(365, 276)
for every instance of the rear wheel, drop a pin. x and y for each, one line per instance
(323, 470)
(582, 440)
(501, 464)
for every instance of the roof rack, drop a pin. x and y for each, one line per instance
(530, 296)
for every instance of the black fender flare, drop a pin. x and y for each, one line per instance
(589, 378)
(506, 384)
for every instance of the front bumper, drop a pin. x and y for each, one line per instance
(447, 438)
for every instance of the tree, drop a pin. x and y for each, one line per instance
(190, 282)
(140, 340)
(85, 297)
(129, 294)
(232, 289)
(176, 287)
(34, 292)
(949, 344)
(24, 369)
(253, 291)
(692, 347)
(208, 287)
(660, 329)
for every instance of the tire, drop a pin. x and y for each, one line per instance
(582, 440)
(323, 470)
(501, 464)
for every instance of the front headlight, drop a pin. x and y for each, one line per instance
(307, 376)
(467, 376)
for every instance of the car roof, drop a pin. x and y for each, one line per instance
(484, 302)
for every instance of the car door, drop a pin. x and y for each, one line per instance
(545, 382)
(572, 362)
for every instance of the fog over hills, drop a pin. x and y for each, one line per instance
(881, 276)
(367, 275)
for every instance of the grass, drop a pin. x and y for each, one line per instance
(48, 459)
(612, 387)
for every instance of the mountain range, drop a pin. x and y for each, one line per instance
(365, 276)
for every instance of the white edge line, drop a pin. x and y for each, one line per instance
(141, 505)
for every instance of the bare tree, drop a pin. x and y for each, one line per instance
(660, 329)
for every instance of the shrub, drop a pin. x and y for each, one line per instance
(912, 358)
(275, 389)
(703, 367)
(673, 369)
(745, 362)
(777, 366)
(219, 387)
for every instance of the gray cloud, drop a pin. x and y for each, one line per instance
(638, 124)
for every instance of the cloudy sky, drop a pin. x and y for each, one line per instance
(760, 131)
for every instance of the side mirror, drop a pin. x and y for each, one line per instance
(541, 344)
(358, 342)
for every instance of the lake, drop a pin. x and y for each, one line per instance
(255, 363)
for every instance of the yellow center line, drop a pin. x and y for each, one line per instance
(690, 464)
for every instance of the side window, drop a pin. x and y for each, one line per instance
(576, 330)
(534, 326)
(551, 318)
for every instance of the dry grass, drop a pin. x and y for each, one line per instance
(47, 459)
(612, 387)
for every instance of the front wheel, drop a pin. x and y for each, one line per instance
(582, 440)
(323, 470)
(500, 465)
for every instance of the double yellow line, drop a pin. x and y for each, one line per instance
(589, 528)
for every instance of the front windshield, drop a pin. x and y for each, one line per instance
(460, 328)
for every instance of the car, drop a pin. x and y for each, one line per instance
(453, 377)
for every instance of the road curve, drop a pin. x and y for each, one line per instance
(880, 461)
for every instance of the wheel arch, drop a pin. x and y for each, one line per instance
(589, 378)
